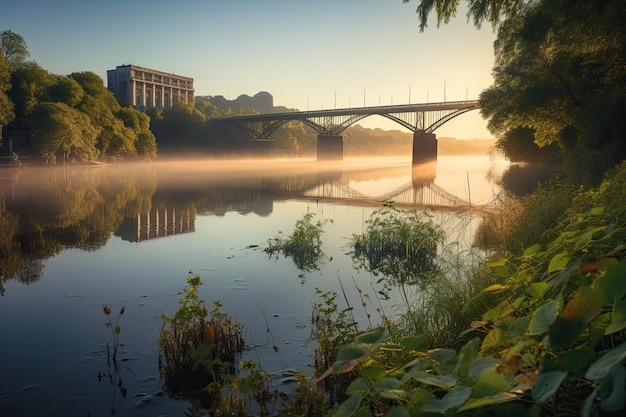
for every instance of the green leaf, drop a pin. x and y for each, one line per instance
(490, 383)
(492, 339)
(583, 307)
(616, 399)
(489, 400)
(417, 343)
(543, 317)
(496, 262)
(442, 355)
(441, 381)
(348, 407)
(611, 285)
(370, 337)
(358, 386)
(558, 262)
(483, 364)
(546, 385)
(534, 249)
(466, 357)
(517, 329)
(397, 411)
(606, 363)
(618, 319)
(454, 398)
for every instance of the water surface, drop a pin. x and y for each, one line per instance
(76, 239)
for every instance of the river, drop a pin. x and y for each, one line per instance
(76, 239)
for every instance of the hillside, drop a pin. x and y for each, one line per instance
(452, 146)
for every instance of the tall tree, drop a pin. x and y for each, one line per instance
(59, 130)
(492, 11)
(15, 49)
(6, 105)
(559, 71)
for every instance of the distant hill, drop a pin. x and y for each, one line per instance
(452, 146)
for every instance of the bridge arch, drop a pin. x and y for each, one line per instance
(414, 117)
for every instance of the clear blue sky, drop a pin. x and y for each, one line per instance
(308, 54)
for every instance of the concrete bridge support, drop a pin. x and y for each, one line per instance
(424, 147)
(329, 147)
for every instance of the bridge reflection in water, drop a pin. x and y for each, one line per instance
(176, 203)
(420, 192)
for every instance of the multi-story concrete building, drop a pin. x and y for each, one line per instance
(145, 88)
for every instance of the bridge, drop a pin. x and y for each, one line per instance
(421, 119)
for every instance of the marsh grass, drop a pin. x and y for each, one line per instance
(400, 245)
(197, 345)
(516, 223)
(304, 245)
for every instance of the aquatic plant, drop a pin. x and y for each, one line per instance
(304, 245)
(115, 331)
(399, 244)
(552, 342)
(197, 345)
(113, 373)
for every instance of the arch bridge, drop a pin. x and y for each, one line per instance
(421, 119)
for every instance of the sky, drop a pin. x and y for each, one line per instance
(309, 54)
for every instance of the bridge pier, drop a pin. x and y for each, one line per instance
(329, 147)
(424, 147)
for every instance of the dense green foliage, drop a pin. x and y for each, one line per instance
(550, 340)
(400, 245)
(303, 245)
(6, 106)
(558, 75)
(72, 118)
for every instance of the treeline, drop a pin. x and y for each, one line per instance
(72, 118)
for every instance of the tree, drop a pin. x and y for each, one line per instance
(59, 130)
(479, 10)
(559, 70)
(6, 106)
(30, 83)
(518, 145)
(65, 90)
(15, 49)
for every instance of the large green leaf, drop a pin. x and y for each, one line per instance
(546, 385)
(499, 398)
(606, 363)
(454, 398)
(618, 318)
(611, 285)
(615, 400)
(441, 381)
(490, 383)
(543, 317)
(397, 411)
(348, 407)
(558, 262)
(483, 364)
(583, 307)
(417, 343)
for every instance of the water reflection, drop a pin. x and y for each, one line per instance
(46, 210)
(210, 218)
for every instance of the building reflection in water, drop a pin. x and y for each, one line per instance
(158, 222)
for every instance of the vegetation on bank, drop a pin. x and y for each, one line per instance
(537, 330)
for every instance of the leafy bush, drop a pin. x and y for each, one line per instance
(304, 245)
(554, 345)
(401, 245)
(195, 343)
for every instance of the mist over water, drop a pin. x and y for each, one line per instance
(78, 238)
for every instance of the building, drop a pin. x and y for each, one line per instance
(145, 88)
